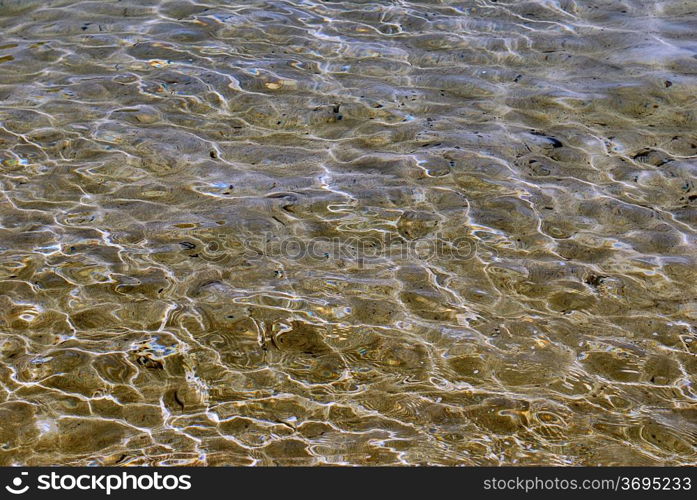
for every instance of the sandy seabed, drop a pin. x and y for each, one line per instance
(311, 232)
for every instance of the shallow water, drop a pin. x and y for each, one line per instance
(318, 232)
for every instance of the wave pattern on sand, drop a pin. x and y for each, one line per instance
(320, 232)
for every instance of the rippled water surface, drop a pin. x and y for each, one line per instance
(305, 232)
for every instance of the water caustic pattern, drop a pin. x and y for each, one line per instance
(316, 232)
